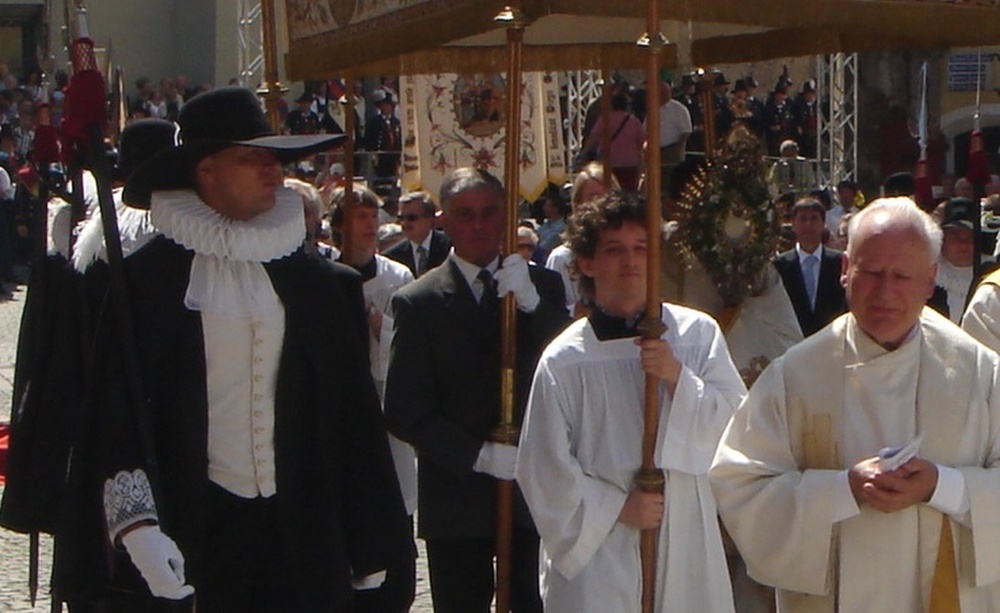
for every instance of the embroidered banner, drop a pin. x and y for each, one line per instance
(452, 120)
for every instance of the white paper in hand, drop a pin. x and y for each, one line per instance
(891, 458)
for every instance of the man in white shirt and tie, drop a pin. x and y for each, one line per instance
(811, 272)
(424, 247)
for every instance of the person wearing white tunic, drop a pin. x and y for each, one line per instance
(581, 440)
(799, 475)
(382, 277)
(982, 316)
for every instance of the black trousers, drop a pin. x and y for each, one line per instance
(462, 579)
(244, 567)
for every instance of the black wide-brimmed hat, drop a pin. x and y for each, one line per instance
(209, 123)
(142, 140)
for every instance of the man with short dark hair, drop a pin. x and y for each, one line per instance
(424, 248)
(275, 489)
(581, 443)
(811, 272)
(443, 394)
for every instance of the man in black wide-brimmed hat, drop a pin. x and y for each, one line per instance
(271, 486)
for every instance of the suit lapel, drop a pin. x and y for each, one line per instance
(829, 276)
(795, 282)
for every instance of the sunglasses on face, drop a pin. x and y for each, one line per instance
(410, 217)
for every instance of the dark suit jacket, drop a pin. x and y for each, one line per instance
(830, 300)
(340, 507)
(403, 252)
(443, 391)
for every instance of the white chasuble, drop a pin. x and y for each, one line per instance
(780, 472)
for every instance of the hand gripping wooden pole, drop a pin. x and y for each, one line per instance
(507, 431)
(649, 478)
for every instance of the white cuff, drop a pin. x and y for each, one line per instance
(128, 500)
(951, 497)
(844, 504)
(369, 582)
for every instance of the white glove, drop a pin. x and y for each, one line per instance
(512, 277)
(159, 560)
(496, 459)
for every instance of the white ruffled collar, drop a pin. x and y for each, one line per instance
(227, 276)
(182, 217)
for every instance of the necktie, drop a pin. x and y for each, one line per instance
(422, 260)
(488, 299)
(810, 268)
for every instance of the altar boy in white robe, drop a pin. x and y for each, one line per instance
(806, 475)
(581, 441)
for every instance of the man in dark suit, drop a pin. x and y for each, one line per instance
(810, 271)
(274, 494)
(424, 248)
(443, 394)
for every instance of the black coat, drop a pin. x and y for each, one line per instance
(438, 253)
(830, 299)
(339, 500)
(443, 391)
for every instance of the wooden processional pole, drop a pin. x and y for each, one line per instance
(350, 121)
(649, 478)
(605, 148)
(271, 89)
(507, 431)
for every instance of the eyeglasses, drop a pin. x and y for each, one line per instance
(409, 217)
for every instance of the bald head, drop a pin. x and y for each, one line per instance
(891, 215)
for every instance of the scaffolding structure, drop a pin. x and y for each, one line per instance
(583, 88)
(251, 43)
(837, 89)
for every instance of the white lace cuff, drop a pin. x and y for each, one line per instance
(128, 499)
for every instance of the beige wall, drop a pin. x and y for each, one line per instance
(197, 38)
(958, 108)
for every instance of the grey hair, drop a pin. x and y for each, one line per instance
(526, 232)
(900, 211)
(310, 195)
(468, 179)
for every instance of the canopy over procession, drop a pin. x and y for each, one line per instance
(566, 306)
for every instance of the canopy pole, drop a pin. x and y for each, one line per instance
(507, 431)
(605, 147)
(650, 478)
(347, 230)
(271, 89)
(708, 112)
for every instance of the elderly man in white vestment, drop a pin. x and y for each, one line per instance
(581, 441)
(802, 475)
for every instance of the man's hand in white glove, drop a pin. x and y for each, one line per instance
(159, 560)
(512, 277)
(497, 460)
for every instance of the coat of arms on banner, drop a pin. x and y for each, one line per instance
(453, 120)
